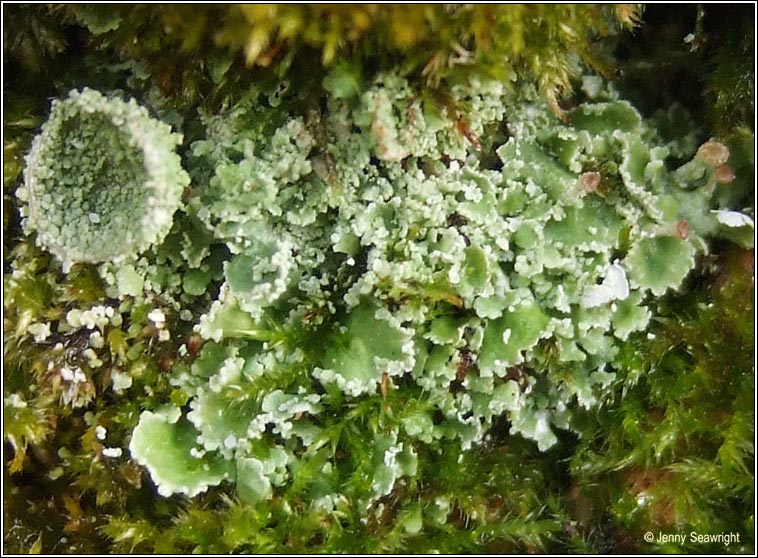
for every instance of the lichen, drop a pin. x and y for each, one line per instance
(493, 286)
(102, 181)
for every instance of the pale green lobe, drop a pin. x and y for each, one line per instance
(526, 236)
(210, 360)
(595, 342)
(483, 208)
(165, 449)
(239, 273)
(630, 316)
(419, 425)
(490, 306)
(606, 118)
(568, 147)
(475, 271)
(347, 243)
(229, 320)
(260, 276)
(438, 363)
(595, 222)
(526, 161)
(534, 424)
(514, 199)
(129, 281)
(391, 461)
(195, 242)
(669, 207)
(252, 484)
(444, 330)
(221, 420)
(583, 383)
(660, 263)
(505, 338)
(195, 281)
(635, 161)
(569, 351)
(505, 398)
(351, 356)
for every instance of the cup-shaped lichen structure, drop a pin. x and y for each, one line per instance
(102, 179)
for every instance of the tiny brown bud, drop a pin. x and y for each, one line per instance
(724, 174)
(713, 153)
(194, 344)
(166, 362)
(590, 181)
(683, 229)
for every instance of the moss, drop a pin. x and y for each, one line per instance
(675, 451)
(706, 46)
(434, 42)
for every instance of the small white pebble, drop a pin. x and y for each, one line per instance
(92, 359)
(79, 376)
(157, 317)
(121, 381)
(96, 340)
(100, 432)
(41, 331)
(112, 452)
(15, 400)
(67, 374)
